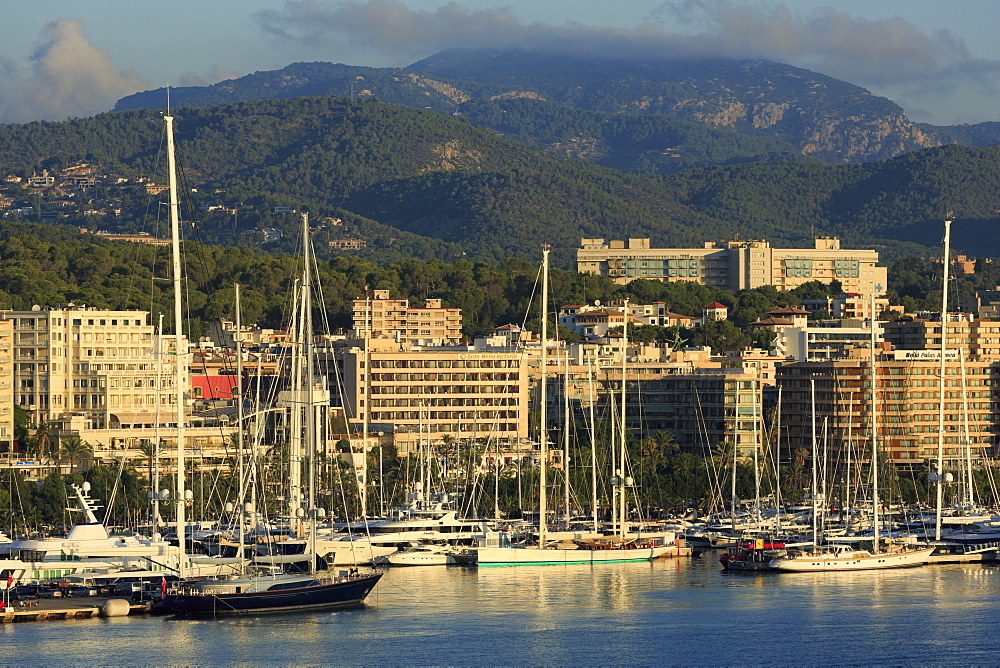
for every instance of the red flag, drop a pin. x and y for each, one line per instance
(163, 586)
(10, 581)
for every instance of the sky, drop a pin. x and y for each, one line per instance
(939, 60)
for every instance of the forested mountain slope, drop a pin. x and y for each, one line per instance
(403, 175)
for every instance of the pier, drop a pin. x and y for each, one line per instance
(60, 610)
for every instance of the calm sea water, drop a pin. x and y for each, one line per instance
(681, 612)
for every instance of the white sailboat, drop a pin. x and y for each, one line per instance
(846, 558)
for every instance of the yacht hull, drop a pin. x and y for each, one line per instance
(325, 596)
(510, 556)
(848, 562)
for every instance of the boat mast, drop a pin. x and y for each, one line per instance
(240, 454)
(295, 418)
(736, 439)
(942, 383)
(970, 499)
(155, 491)
(875, 499)
(593, 443)
(622, 460)
(544, 435)
(566, 422)
(758, 416)
(368, 408)
(179, 354)
(815, 506)
(310, 412)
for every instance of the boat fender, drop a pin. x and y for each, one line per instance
(116, 607)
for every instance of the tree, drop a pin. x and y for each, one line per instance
(73, 449)
(722, 336)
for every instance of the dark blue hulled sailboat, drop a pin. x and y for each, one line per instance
(267, 592)
(280, 593)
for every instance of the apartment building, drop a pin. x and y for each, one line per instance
(906, 405)
(431, 324)
(977, 338)
(824, 339)
(430, 393)
(6, 383)
(849, 305)
(735, 265)
(80, 359)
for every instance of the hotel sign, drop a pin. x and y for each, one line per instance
(489, 356)
(920, 355)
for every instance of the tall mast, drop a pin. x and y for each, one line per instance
(368, 406)
(970, 499)
(939, 504)
(566, 421)
(593, 443)
(180, 355)
(307, 376)
(815, 506)
(622, 461)
(156, 434)
(875, 499)
(240, 454)
(544, 435)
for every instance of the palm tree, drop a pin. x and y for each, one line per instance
(73, 449)
(149, 450)
(43, 439)
(658, 447)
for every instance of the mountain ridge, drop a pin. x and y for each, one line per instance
(818, 115)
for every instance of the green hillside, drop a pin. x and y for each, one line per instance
(421, 184)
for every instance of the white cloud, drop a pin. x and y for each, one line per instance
(66, 76)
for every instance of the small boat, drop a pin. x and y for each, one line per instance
(278, 593)
(753, 555)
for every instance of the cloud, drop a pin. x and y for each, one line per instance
(873, 52)
(66, 76)
(213, 76)
(883, 55)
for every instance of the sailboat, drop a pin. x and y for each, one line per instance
(497, 549)
(845, 557)
(253, 593)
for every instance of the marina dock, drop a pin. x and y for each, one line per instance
(59, 610)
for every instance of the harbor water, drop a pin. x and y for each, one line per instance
(672, 612)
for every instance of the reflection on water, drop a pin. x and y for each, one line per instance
(667, 612)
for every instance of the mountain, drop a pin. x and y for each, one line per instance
(423, 184)
(820, 115)
(399, 86)
(777, 110)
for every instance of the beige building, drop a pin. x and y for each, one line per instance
(980, 339)
(383, 317)
(427, 394)
(92, 373)
(906, 406)
(85, 360)
(735, 265)
(6, 383)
